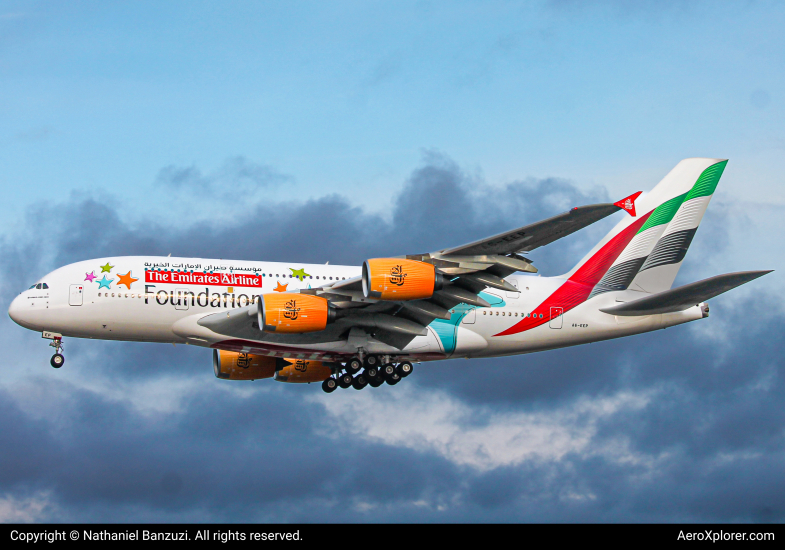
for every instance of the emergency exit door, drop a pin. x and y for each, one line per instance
(75, 295)
(181, 296)
(556, 317)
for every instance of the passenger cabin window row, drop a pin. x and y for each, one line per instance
(511, 314)
(284, 276)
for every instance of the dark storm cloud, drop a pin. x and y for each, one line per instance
(706, 446)
(235, 174)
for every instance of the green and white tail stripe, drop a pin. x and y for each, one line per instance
(652, 259)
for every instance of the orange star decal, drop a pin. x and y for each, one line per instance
(280, 287)
(126, 280)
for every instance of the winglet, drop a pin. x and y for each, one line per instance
(628, 203)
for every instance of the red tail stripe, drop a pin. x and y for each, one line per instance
(578, 287)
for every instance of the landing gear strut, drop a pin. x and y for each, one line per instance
(57, 359)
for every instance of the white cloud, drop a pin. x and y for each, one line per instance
(476, 436)
(24, 510)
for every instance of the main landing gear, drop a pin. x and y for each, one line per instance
(57, 359)
(375, 373)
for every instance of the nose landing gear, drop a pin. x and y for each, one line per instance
(57, 359)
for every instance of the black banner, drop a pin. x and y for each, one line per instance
(134, 534)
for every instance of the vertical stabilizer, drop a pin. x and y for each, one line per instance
(648, 248)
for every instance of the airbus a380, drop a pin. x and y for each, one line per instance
(352, 326)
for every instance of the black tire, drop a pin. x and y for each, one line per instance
(329, 385)
(345, 380)
(354, 365)
(394, 379)
(371, 372)
(359, 382)
(375, 382)
(404, 369)
(371, 361)
(388, 370)
(57, 360)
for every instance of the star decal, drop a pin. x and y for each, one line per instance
(280, 287)
(106, 268)
(299, 273)
(126, 280)
(103, 283)
(90, 276)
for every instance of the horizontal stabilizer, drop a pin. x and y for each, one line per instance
(684, 297)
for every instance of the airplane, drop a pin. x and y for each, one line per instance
(354, 326)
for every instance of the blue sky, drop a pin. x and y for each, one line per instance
(205, 128)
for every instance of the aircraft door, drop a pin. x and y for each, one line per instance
(470, 316)
(557, 317)
(181, 296)
(75, 295)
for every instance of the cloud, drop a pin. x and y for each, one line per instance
(676, 425)
(479, 437)
(24, 510)
(235, 174)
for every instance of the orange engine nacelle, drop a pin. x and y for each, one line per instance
(293, 313)
(230, 365)
(397, 279)
(302, 370)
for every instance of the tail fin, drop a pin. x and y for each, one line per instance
(645, 252)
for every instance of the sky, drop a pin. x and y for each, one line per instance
(315, 132)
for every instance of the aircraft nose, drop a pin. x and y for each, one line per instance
(15, 311)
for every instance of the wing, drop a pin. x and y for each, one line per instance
(465, 270)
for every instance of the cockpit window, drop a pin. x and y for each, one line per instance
(44, 286)
(31, 288)
(38, 286)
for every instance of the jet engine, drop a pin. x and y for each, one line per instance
(230, 365)
(302, 370)
(399, 279)
(293, 313)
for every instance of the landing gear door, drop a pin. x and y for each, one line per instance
(75, 295)
(556, 317)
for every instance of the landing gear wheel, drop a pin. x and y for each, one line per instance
(376, 382)
(371, 372)
(388, 370)
(404, 369)
(345, 380)
(329, 385)
(359, 382)
(371, 361)
(57, 360)
(394, 379)
(354, 365)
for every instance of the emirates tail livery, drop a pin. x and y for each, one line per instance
(356, 326)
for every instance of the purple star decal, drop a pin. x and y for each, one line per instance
(90, 276)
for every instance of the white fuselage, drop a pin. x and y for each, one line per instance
(155, 299)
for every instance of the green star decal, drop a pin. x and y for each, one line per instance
(299, 273)
(106, 268)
